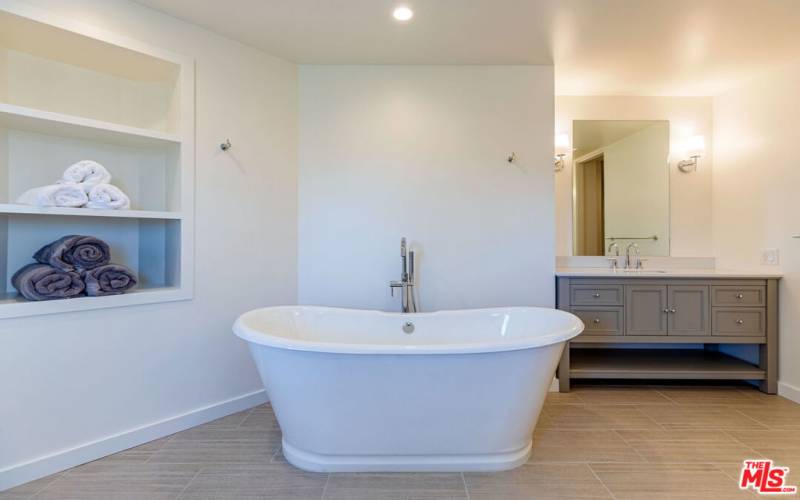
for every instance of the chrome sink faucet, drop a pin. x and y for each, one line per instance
(615, 257)
(638, 262)
(406, 282)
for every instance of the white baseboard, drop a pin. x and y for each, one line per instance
(789, 392)
(554, 385)
(50, 464)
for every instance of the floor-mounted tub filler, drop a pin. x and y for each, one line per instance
(370, 391)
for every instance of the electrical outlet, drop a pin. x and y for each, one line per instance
(770, 257)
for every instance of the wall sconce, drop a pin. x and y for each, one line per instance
(561, 149)
(695, 147)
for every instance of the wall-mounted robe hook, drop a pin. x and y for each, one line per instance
(512, 158)
(226, 145)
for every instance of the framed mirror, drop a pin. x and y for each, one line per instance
(620, 186)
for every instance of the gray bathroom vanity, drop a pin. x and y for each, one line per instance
(670, 325)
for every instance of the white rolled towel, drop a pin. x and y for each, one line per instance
(55, 195)
(106, 196)
(87, 174)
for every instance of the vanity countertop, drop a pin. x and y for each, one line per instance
(600, 272)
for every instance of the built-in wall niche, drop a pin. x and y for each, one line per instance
(151, 248)
(61, 71)
(69, 92)
(148, 173)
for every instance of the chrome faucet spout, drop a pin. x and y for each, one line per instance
(406, 282)
(638, 262)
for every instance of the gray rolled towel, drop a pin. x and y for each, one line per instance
(110, 279)
(43, 282)
(74, 252)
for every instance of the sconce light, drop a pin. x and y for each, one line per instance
(695, 147)
(561, 150)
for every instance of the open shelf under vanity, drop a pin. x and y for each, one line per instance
(650, 364)
(71, 93)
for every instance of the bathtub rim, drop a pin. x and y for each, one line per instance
(258, 337)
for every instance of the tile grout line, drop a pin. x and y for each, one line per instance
(166, 442)
(197, 473)
(249, 412)
(591, 469)
(766, 427)
(464, 482)
(325, 488)
(717, 466)
(756, 453)
(43, 488)
(674, 402)
(629, 445)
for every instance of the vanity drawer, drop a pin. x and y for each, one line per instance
(596, 295)
(607, 321)
(738, 321)
(732, 296)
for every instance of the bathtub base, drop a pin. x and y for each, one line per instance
(315, 462)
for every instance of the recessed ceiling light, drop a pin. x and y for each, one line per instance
(403, 13)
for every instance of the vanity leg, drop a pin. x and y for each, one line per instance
(563, 370)
(768, 353)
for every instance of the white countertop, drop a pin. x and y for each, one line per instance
(600, 272)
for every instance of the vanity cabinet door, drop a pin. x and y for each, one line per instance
(689, 310)
(646, 310)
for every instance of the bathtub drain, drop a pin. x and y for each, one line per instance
(408, 327)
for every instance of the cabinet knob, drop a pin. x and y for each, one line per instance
(596, 320)
(739, 295)
(596, 295)
(673, 310)
(666, 310)
(739, 321)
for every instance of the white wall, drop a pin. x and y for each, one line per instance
(391, 151)
(756, 201)
(67, 380)
(690, 194)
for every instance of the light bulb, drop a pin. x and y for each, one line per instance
(403, 13)
(695, 146)
(562, 144)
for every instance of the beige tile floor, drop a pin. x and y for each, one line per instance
(595, 442)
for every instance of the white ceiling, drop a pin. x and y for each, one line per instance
(612, 47)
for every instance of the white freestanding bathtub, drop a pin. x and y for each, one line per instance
(359, 391)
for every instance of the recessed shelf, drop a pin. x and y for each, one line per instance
(50, 123)
(660, 364)
(12, 305)
(46, 67)
(11, 208)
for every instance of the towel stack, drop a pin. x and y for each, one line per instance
(84, 184)
(70, 267)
